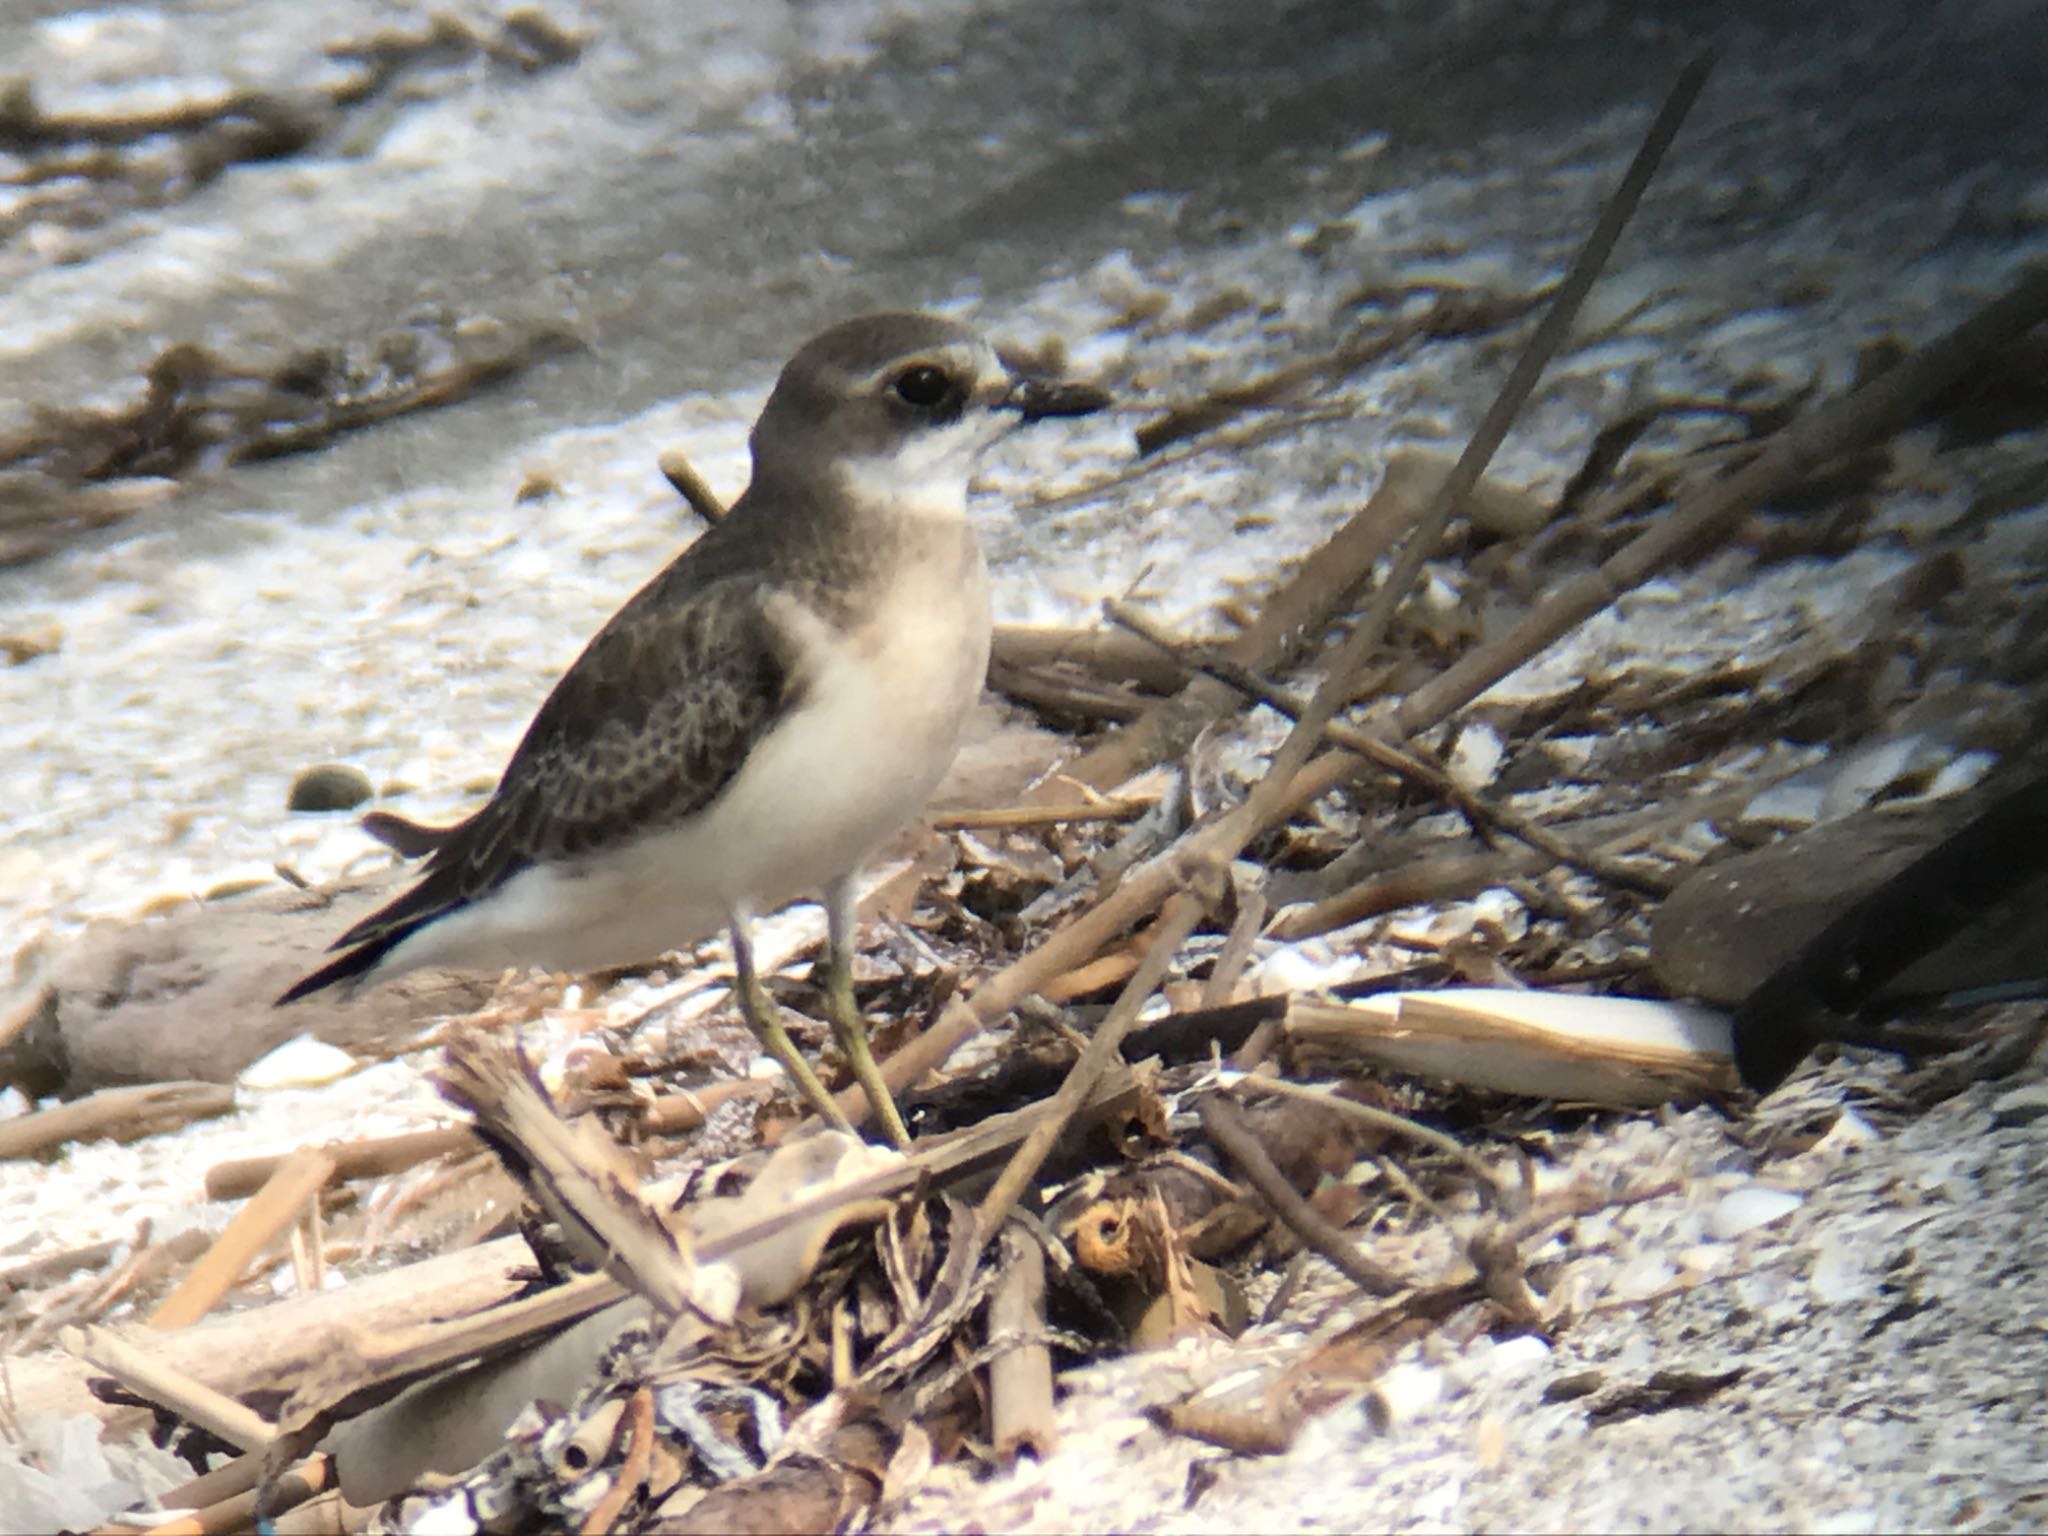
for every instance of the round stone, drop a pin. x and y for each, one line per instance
(329, 787)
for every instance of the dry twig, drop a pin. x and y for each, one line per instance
(1226, 1127)
(275, 1207)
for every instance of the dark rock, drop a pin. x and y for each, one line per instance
(191, 995)
(329, 787)
(1732, 925)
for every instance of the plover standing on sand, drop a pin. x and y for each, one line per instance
(760, 717)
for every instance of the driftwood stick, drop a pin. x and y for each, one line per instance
(1446, 877)
(1221, 987)
(1226, 1127)
(1020, 1406)
(679, 472)
(275, 1207)
(115, 1114)
(223, 1482)
(638, 1425)
(161, 1382)
(1175, 924)
(1103, 653)
(670, 1114)
(367, 1159)
(1066, 693)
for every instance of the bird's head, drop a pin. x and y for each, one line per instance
(897, 406)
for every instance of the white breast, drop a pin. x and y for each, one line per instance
(877, 728)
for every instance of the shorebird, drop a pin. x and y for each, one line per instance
(760, 717)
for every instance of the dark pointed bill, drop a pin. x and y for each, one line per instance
(1042, 398)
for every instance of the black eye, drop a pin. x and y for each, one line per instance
(923, 386)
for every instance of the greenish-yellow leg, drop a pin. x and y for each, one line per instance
(842, 929)
(852, 1031)
(765, 1020)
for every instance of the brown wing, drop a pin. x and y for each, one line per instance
(646, 729)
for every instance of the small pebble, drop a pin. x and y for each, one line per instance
(329, 787)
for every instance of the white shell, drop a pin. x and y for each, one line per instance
(1752, 1206)
(301, 1062)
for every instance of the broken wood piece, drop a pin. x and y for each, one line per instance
(161, 1382)
(273, 1209)
(1220, 989)
(1617, 1051)
(581, 1177)
(679, 472)
(1066, 693)
(253, 1349)
(673, 1114)
(1104, 653)
(639, 1429)
(114, 1114)
(370, 1158)
(1444, 877)
(1103, 971)
(225, 1481)
(669, 1114)
(1020, 1404)
(56, 1265)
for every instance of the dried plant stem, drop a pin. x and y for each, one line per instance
(1226, 1127)
(638, 1425)
(1175, 924)
(1221, 987)
(670, 1114)
(116, 1114)
(1406, 764)
(1550, 335)
(1866, 414)
(1296, 614)
(677, 469)
(1021, 1416)
(1102, 653)
(370, 1158)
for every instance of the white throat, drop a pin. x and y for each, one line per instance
(926, 474)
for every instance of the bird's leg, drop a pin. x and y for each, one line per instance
(765, 1020)
(847, 1024)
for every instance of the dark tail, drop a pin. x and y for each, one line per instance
(350, 966)
(407, 838)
